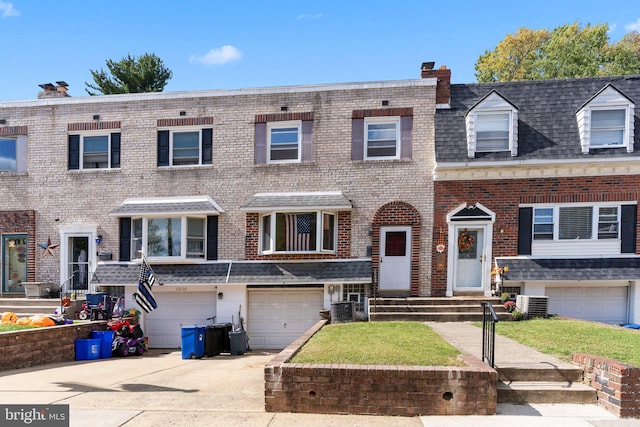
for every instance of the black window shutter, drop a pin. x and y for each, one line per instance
(307, 141)
(115, 150)
(406, 129)
(212, 238)
(525, 231)
(125, 239)
(357, 139)
(260, 144)
(74, 152)
(628, 229)
(207, 146)
(163, 148)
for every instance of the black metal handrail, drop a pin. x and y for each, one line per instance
(489, 320)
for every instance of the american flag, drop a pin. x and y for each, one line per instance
(298, 232)
(144, 297)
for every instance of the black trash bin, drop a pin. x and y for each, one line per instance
(238, 342)
(217, 339)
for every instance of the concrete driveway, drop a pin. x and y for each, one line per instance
(160, 388)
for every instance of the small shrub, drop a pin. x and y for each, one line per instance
(518, 315)
(505, 296)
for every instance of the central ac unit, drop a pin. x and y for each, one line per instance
(533, 306)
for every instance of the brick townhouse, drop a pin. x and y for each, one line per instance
(267, 204)
(541, 178)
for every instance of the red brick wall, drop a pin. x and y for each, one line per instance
(22, 222)
(617, 384)
(378, 390)
(504, 198)
(399, 213)
(252, 238)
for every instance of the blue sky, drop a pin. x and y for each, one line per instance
(212, 44)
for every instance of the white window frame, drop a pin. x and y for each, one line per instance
(269, 247)
(625, 127)
(282, 125)
(82, 152)
(482, 114)
(172, 132)
(595, 220)
(184, 238)
(377, 121)
(20, 160)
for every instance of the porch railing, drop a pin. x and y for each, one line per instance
(489, 320)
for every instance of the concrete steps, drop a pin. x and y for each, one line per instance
(25, 307)
(453, 309)
(534, 384)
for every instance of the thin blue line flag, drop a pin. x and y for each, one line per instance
(144, 297)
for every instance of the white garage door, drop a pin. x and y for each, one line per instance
(176, 309)
(276, 318)
(600, 304)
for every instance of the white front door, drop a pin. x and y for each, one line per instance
(469, 256)
(395, 258)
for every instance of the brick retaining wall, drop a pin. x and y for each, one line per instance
(41, 346)
(378, 390)
(617, 384)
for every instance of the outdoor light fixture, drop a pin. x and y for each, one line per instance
(96, 117)
(385, 103)
(220, 295)
(284, 108)
(99, 239)
(183, 113)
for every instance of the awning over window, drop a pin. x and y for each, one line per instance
(196, 205)
(264, 202)
(573, 269)
(240, 272)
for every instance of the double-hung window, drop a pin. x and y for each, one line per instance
(608, 128)
(382, 138)
(168, 237)
(492, 131)
(565, 223)
(185, 147)
(94, 151)
(314, 231)
(8, 154)
(284, 139)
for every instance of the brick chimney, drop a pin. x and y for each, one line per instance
(51, 91)
(443, 87)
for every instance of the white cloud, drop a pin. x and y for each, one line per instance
(7, 9)
(310, 17)
(7, 164)
(223, 55)
(634, 26)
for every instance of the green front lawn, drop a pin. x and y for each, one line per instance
(378, 343)
(14, 327)
(561, 337)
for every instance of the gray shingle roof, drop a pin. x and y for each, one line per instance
(547, 127)
(583, 269)
(288, 201)
(245, 272)
(132, 207)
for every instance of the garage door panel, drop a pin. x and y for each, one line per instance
(164, 324)
(599, 304)
(279, 317)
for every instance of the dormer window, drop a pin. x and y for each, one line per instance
(492, 126)
(606, 121)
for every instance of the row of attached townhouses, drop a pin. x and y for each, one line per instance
(270, 204)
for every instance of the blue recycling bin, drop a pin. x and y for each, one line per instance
(193, 342)
(106, 342)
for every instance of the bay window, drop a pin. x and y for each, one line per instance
(298, 232)
(168, 237)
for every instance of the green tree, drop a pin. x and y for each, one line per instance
(130, 75)
(567, 51)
